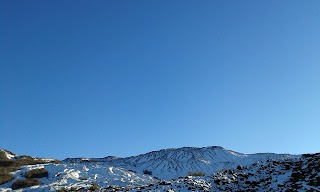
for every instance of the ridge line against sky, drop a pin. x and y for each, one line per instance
(158, 150)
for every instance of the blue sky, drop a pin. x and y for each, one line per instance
(84, 78)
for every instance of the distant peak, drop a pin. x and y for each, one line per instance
(191, 148)
(5, 154)
(214, 147)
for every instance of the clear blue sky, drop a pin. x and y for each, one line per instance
(98, 78)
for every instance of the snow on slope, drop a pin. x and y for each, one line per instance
(298, 174)
(174, 163)
(79, 175)
(166, 164)
(6, 154)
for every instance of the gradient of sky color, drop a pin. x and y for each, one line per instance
(98, 78)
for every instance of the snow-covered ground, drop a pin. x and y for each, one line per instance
(80, 175)
(170, 169)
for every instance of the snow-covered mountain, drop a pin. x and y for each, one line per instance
(8, 155)
(217, 169)
(174, 163)
(5, 154)
(290, 175)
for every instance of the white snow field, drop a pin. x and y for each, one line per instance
(168, 169)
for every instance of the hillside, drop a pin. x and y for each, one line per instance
(174, 163)
(216, 169)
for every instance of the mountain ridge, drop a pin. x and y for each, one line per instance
(178, 148)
